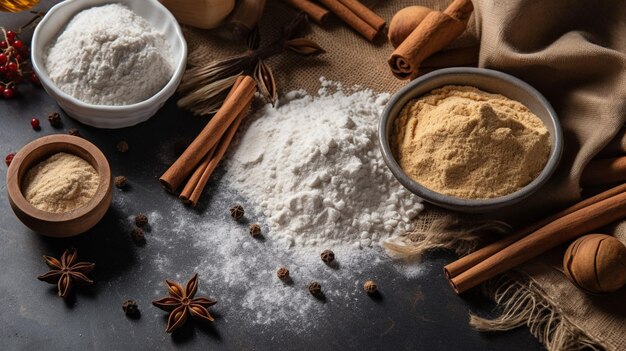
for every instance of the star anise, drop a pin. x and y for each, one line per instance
(67, 272)
(181, 303)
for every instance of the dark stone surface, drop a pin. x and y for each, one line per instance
(418, 313)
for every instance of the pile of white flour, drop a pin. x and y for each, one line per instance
(314, 168)
(311, 174)
(108, 55)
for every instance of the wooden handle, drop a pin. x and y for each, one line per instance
(566, 228)
(604, 171)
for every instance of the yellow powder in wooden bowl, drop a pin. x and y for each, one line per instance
(61, 183)
(464, 142)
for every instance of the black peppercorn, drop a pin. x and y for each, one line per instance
(255, 229)
(73, 131)
(120, 181)
(122, 147)
(282, 273)
(237, 212)
(328, 256)
(141, 220)
(55, 119)
(130, 307)
(138, 235)
(315, 288)
(370, 287)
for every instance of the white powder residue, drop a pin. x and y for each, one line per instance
(270, 171)
(240, 271)
(314, 168)
(108, 55)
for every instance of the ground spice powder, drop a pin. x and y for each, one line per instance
(61, 183)
(464, 142)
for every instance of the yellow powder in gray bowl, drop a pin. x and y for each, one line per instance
(467, 143)
(61, 183)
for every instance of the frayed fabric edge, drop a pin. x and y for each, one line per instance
(522, 303)
(521, 300)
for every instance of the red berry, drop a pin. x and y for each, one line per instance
(3, 45)
(3, 59)
(9, 158)
(10, 35)
(11, 66)
(8, 93)
(2, 70)
(35, 123)
(18, 44)
(18, 58)
(34, 79)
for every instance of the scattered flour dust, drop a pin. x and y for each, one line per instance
(311, 174)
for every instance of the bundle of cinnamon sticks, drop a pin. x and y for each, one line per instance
(352, 12)
(436, 31)
(536, 239)
(203, 155)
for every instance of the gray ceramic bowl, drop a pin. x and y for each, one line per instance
(490, 81)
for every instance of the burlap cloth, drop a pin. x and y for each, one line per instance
(570, 50)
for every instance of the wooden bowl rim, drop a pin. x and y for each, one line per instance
(13, 182)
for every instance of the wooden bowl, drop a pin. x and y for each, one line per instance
(59, 224)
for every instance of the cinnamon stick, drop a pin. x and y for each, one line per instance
(350, 18)
(465, 263)
(209, 136)
(196, 175)
(220, 150)
(467, 56)
(435, 32)
(364, 13)
(314, 11)
(566, 228)
(604, 171)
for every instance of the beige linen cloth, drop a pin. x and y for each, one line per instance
(573, 51)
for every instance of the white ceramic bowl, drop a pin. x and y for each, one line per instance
(102, 116)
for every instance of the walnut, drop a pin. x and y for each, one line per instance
(596, 263)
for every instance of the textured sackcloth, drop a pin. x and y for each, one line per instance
(570, 50)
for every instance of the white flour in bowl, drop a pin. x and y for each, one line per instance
(108, 55)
